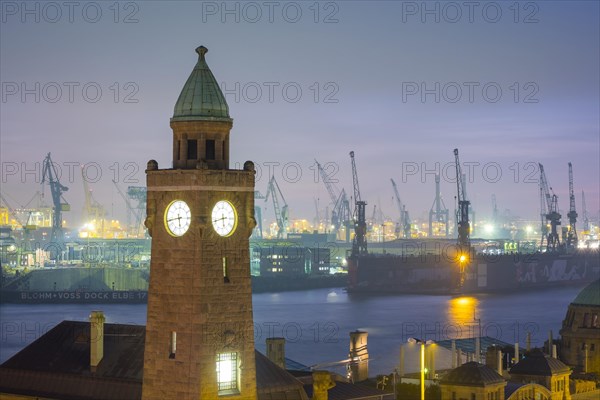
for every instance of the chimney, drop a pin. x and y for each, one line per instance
(554, 352)
(359, 355)
(499, 361)
(276, 350)
(322, 382)
(477, 349)
(528, 342)
(516, 352)
(96, 338)
(453, 354)
(550, 342)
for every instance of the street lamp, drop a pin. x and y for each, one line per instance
(423, 344)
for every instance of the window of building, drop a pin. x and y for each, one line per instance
(453, 395)
(473, 396)
(173, 344)
(225, 271)
(227, 373)
(192, 149)
(592, 347)
(210, 149)
(586, 320)
(595, 322)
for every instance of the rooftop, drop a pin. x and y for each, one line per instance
(201, 98)
(538, 363)
(590, 295)
(472, 374)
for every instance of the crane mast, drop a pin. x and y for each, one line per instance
(359, 244)
(464, 228)
(572, 215)
(552, 214)
(57, 239)
(543, 222)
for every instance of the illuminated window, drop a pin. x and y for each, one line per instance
(225, 271)
(173, 345)
(227, 373)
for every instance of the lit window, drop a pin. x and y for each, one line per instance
(227, 373)
(173, 345)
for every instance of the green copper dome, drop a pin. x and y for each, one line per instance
(590, 295)
(201, 98)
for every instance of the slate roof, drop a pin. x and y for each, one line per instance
(589, 296)
(472, 374)
(538, 363)
(201, 97)
(56, 365)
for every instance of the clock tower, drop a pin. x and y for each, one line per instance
(200, 214)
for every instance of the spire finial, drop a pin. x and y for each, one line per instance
(201, 50)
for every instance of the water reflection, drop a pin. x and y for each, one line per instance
(463, 313)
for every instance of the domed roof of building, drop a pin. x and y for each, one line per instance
(538, 363)
(201, 98)
(590, 295)
(472, 374)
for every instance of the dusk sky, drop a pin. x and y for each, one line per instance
(508, 84)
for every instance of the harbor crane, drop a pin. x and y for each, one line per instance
(93, 210)
(359, 244)
(136, 212)
(340, 215)
(572, 215)
(462, 218)
(464, 229)
(258, 230)
(438, 210)
(139, 194)
(495, 216)
(586, 219)
(550, 207)
(404, 219)
(57, 238)
(281, 212)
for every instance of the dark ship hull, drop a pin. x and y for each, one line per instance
(435, 274)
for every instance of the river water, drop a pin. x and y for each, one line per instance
(316, 323)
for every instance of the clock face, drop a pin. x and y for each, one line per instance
(224, 218)
(177, 218)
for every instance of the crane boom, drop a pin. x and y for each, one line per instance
(404, 221)
(57, 239)
(572, 215)
(338, 200)
(281, 212)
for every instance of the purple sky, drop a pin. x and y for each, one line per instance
(356, 67)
